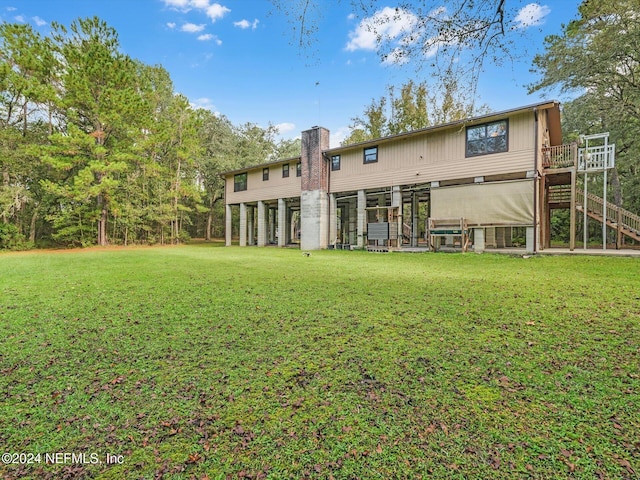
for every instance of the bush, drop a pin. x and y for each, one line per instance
(184, 237)
(12, 239)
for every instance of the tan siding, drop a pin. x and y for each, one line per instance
(543, 134)
(435, 156)
(272, 189)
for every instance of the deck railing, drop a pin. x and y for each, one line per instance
(597, 158)
(615, 214)
(560, 156)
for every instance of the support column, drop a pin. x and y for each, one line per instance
(243, 224)
(272, 215)
(478, 240)
(415, 218)
(572, 213)
(530, 240)
(282, 222)
(333, 219)
(251, 225)
(396, 201)
(362, 217)
(353, 222)
(262, 224)
(228, 225)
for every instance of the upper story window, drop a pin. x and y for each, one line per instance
(285, 170)
(240, 182)
(335, 162)
(487, 138)
(299, 169)
(371, 154)
(265, 174)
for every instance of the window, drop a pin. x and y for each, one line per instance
(285, 170)
(335, 162)
(371, 155)
(299, 169)
(487, 138)
(265, 174)
(240, 182)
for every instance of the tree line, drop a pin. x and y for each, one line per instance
(97, 148)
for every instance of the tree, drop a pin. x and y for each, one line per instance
(100, 103)
(597, 56)
(424, 31)
(26, 81)
(413, 109)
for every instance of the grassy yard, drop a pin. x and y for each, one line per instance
(211, 362)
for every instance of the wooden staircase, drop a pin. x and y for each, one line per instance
(622, 221)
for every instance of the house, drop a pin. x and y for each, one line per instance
(485, 182)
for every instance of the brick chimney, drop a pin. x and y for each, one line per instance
(314, 199)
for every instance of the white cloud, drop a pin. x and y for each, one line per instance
(216, 11)
(207, 36)
(177, 3)
(200, 4)
(19, 18)
(338, 136)
(204, 103)
(285, 127)
(11, 9)
(531, 15)
(385, 25)
(244, 24)
(171, 25)
(39, 22)
(192, 28)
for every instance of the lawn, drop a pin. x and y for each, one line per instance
(211, 362)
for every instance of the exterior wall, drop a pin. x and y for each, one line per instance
(430, 157)
(543, 138)
(435, 156)
(274, 188)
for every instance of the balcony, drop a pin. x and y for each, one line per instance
(560, 156)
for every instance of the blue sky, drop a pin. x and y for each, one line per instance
(238, 58)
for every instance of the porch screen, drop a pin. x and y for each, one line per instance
(500, 203)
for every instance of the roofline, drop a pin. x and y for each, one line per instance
(261, 165)
(533, 107)
(443, 126)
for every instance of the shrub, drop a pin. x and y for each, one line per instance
(12, 239)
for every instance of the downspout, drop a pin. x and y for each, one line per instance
(327, 166)
(536, 183)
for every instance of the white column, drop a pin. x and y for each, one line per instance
(530, 239)
(262, 224)
(250, 226)
(228, 225)
(478, 240)
(362, 217)
(415, 218)
(333, 219)
(283, 228)
(396, 201)
(243, 224)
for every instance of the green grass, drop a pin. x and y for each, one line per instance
(206, 362)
